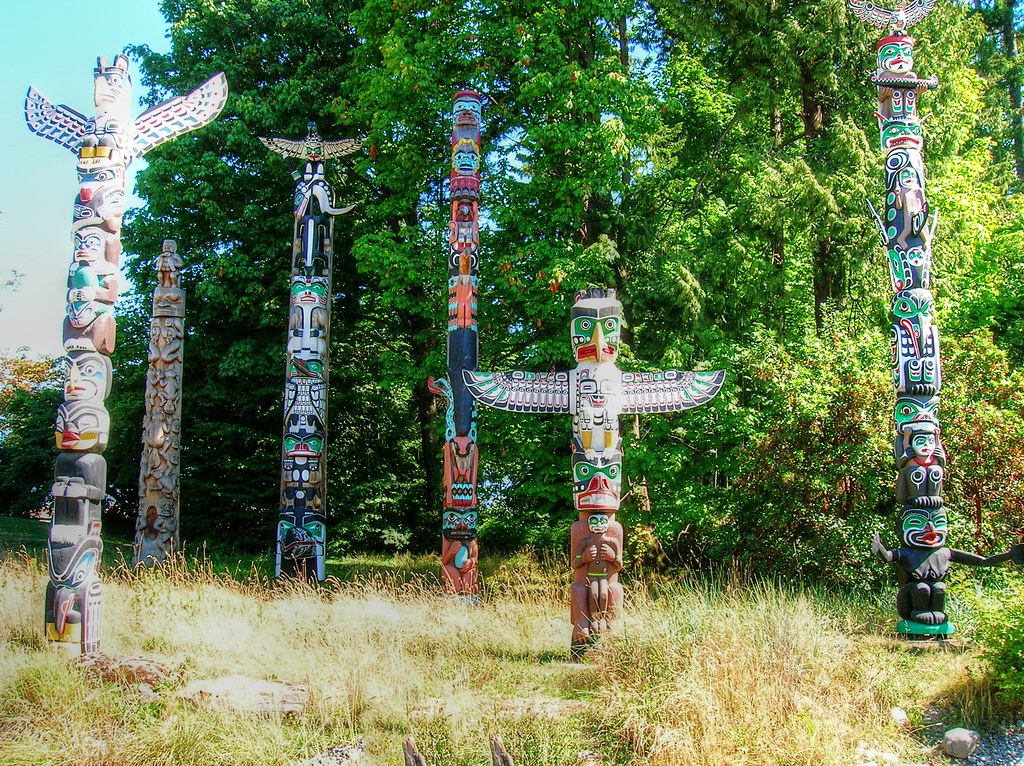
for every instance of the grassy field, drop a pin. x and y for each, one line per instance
(726, 672)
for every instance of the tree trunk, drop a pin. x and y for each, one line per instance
(829, 278)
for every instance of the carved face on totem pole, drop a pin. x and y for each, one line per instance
(910, 409)
(900, 134)
(466, 157)
(598, 523)
(466, 107)
(305, 436)
(912, 311)
(309, 291)
(596, 326)
(597, 480)
(896, 55)
(88, 377)
(459, 525)
(300, 541)
(460, 463)
(923, 527)
(82, 426)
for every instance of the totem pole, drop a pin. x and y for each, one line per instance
(156, 527)
(459, 551)
(906, 231)
(301, 527)
(105, 146)
(595, 393)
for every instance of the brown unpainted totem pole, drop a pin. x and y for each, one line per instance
(459, 549)
(595, 393)
(104, 145)
(156, 527)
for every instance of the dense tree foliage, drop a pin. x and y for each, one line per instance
(710, 163)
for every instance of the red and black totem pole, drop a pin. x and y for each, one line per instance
(459, 550)
(105, 146)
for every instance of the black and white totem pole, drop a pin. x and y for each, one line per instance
(907, 227)
(301, 528)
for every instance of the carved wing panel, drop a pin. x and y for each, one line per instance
(520, 391)
(669, 390)
(60, 124)
(284, 147)
(335, 149)
(181, 114)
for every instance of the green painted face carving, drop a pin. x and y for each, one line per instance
(896, 57)
(597, 481)
(598, 523)
(909, 409)
(923, 528)
(310, 291)
(303, 446)
(897, 134)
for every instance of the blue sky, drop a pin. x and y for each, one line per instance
(52, 45)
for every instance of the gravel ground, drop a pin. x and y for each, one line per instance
(1003, 746)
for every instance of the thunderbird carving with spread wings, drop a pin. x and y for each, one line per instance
(897, 20)
(67, 127)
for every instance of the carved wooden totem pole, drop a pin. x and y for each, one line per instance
(595, 393)
(105, 146)
(301, 527)
(922, 559)
(156, 527)
(459, 551)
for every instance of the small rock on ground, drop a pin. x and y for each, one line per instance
(248, 695)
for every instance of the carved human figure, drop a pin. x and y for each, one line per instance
(596, 540)
(459, 552)
(922, 562)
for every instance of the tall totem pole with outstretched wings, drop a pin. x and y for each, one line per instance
(459, 550)
(301, 526)
(595, 393)
(906, 228)
(105, 146)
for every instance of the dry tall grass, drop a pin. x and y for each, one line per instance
(700, 675)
